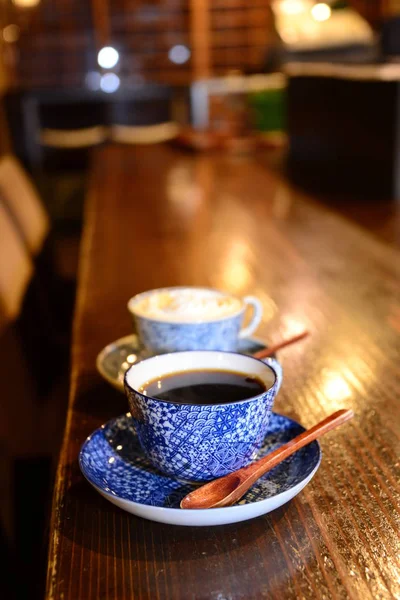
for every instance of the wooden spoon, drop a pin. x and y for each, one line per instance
(229, 489)
(272, 349)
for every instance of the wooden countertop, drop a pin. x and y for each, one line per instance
(155, 217)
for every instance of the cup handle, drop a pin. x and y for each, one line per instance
(257, 314)
(277, 368)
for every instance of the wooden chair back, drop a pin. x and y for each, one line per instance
(16, 268)
(24, 204)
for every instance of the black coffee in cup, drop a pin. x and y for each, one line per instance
(204, 386)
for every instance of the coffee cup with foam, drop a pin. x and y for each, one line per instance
(176, 319)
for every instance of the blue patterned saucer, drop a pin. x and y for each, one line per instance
(117, 357)
(112, 460)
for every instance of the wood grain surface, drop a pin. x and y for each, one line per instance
(157, 217)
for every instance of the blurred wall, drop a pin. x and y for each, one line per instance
(58, 41)
(391, 7)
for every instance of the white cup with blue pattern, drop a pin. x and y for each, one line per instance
(176, 319)
(200, 442)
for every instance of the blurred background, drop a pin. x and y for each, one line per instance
(313, 87)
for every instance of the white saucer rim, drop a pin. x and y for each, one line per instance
(105, 352)
(238, 508)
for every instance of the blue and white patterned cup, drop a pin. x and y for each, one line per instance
(201, 442)
(178, 332)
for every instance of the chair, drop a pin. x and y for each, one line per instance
(24, 204)
(75, 138)
(30, 419)
(390, 37)
(150, 134)
(54, 280)
(65, 130)
(27, 300)
(52, 130)
(71, 125)
(16, 268)
(145, 119)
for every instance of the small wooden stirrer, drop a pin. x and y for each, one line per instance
(272, 349)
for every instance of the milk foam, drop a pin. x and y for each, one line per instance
(186, 305)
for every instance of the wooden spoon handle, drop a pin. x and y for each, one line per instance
(229, 489)
(258, 468)
(272, 349)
